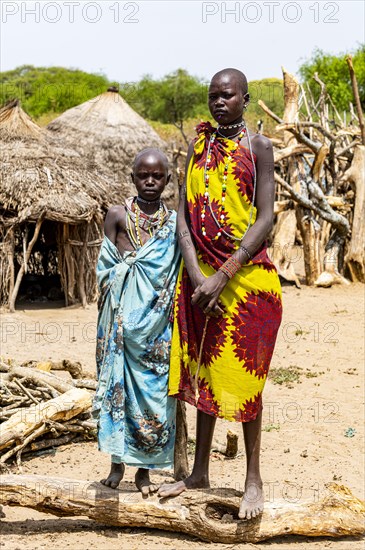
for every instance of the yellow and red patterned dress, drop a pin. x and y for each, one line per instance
(239, 344)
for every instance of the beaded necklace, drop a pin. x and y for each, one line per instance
(149, 223)
(206, 202)
(230, 126)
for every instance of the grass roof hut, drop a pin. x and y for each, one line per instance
(107, 131)
(51, 213)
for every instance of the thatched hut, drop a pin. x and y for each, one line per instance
(108, 132)
(51, 214)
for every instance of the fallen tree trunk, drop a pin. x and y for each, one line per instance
(210, 515)
(27, 420)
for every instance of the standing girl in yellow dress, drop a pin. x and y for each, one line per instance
(228, 299)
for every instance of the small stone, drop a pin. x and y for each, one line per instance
(304, 453)
(287, 450)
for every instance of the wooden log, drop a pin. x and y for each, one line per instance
(25, 421)
(355, 256)
(281, 206)
(46, 443)
(211, 515)
(284, 232)
(73, 367)
(355, 90)
(310, 232)
(283, 241)
(230, 449)
(41, 378)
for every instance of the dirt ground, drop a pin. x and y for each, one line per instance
(305, 423)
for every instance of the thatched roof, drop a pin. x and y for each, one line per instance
(41, 176)
(108, 131)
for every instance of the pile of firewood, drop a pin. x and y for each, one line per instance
(41, 410)
(320, 201)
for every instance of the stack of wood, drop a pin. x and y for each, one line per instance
(319, 170)
(41, 410)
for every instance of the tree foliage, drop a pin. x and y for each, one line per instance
(177, 97)
(54, 89)
(334, 72)
(172, 99)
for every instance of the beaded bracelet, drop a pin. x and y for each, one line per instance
(249, 255)
(230, 267)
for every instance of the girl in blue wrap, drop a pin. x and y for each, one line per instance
(137, 271)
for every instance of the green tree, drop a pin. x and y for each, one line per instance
(333, 71)
(49, 89)
(172, 99)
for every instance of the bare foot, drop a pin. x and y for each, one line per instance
(143, 482)
(115, 476)
(175, 489)
(252, 503)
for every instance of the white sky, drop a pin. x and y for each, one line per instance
(258, 38)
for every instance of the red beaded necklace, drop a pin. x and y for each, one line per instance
(206, 200)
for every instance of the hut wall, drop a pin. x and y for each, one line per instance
(78, 251)
(6, 264)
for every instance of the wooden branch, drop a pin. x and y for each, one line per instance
(22, 267)
(210, 515)
(268, 111)
(25, 421)
(324, 210)
(27, 393)
(355, 91)
(306, 124)
(295, 149)
(318, 162)
(312, 145)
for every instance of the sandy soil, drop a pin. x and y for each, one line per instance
(304, 443)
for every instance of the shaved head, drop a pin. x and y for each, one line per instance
(231, 74)
(151, 152)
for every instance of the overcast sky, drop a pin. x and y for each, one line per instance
(126, 40)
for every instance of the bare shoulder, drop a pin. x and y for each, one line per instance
(261, 145)
(115, 210)
(115, 213)
(115, 221)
